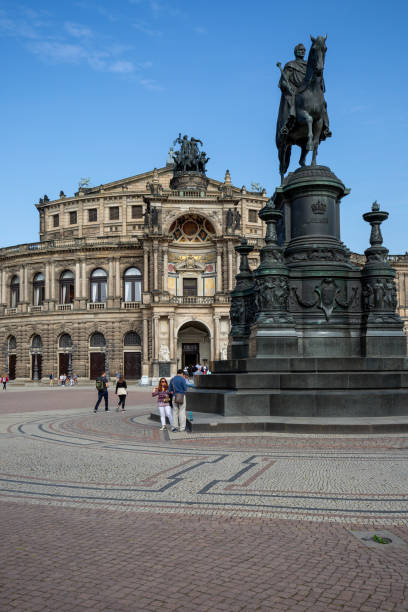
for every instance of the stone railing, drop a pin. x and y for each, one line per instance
(192, 299)
(130, 305)
(35, 308)
(64, 306)
(11, 311)
(69, 243)
(96, 305)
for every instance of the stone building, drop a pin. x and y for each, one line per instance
(133, 276)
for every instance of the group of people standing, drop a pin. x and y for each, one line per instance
(102, 385)
(171, 401)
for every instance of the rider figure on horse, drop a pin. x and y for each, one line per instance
(291, 78)
(302, 118)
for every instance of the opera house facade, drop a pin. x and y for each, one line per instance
(133, 276)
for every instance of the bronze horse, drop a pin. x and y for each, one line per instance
(311, 124)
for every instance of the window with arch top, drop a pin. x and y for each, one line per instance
(99, 283)
(67, 287)
(97, 340)
(36, 342)
(131, 339)
(14, 291)
(132, 285)
(65, 341)
(38, 289)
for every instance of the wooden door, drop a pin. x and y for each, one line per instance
(63, 362)
(96, 365)
(133, 365)
(12, 366)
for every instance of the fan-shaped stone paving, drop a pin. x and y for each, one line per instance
(78, 489)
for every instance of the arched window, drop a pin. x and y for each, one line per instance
(36, 342)
(38, 289)
(65, 341)
(12, 344)
(67, 287)
(14, 291)
(99, 281)
(97, 340)
(131, 339)
(132, 285)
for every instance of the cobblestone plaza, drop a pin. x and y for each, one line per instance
(105, 512)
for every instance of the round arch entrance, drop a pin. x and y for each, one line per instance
(193, 344)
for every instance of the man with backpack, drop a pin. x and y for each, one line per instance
(102, 385)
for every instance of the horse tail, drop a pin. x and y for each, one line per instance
(285, 151)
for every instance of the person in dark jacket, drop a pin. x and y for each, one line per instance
(121, 392)
(178, 386)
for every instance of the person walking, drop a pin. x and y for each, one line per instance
(4, 380)
(121, 392)
(102, 385)
(52, 379)
(178, 386)
(163, 402)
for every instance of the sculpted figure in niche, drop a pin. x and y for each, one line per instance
(164, 353)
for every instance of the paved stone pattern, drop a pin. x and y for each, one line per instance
(105, 512)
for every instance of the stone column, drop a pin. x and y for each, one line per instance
(216, 337)
(52, 287)
(219, 269)
(156, 337)
(22, 285)
(165, 268)
(155, 266)
(117, 275)
(230, 270)
(145, 337)
(171, 336)
(145, 267)
(77, 279)
(3, 283)
(26, 296)
(110, 279)
(47, 281)
(84, 279)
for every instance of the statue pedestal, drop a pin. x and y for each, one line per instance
(324, 336)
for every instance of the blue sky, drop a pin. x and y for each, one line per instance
(100, 89)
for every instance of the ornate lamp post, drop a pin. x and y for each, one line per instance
(35, 352)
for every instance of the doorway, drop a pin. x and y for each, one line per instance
(63, 362)
(12, 366)
(132, 362)
(190, 354)
(96, 364)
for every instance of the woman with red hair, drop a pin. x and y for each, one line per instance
(163, 402)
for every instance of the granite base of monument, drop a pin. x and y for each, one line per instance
(312, 335)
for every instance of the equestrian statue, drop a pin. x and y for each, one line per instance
(302, 118)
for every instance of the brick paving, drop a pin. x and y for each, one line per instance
(104, 512)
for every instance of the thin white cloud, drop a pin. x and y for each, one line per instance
(77, 30)
(151, 85)
(141, 26)
(73, 43)
(200, 30)
(122, 67)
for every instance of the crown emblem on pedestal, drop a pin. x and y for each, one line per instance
(319, 208)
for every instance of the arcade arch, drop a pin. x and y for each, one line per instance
(193, 344)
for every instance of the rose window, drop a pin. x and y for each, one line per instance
(191, 228)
